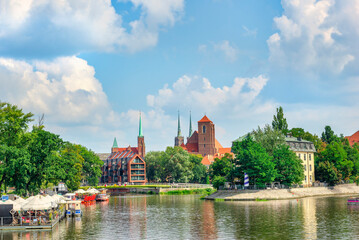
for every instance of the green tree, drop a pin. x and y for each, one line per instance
(41, 147)
(13, 124)
(91, 168)
(154, 166)
(327, 172)
(199, 171)
(288, 165)
(328, 135)
(222, 167)
(268, 138)
(252, 158)
(279, 122)
(218, 181)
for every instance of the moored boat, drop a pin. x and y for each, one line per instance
(102, 196)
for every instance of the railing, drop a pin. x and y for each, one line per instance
(31, 220)
(271, 186)
(183, 185)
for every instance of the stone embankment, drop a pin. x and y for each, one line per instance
(277, 194)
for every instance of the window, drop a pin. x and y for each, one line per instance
(310, 167)
(204, 129)
(305, 167)
(305, 156)
(310, 177)
(299, 155)
(204, 145)
(310, 156)
(305, 177)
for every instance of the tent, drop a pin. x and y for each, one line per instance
(80, 191)
(92, 191)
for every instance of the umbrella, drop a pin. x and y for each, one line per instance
(92, 191)
(20, 200)
(38, 203)
(80, 191)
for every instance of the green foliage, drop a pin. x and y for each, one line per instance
(252, 158)
(38, 159)
(279, 122)
(91, 167)
(328, 135)
(327, 172)
(288, 165)
(218, 181)
(269, 138)
(175, 165)
(204, 191)
(222, 167)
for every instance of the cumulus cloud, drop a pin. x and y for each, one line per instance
(68, 26)
(225, 48)
(316, 35)
(198, 94)
(64, 89)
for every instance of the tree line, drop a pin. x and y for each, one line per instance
(175, 165)
(37, 159)
(265, 157)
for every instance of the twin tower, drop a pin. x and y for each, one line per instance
(202, 141)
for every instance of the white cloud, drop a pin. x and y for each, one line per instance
(65, 89)
(249, 32)
(313, 35)
(230, 51)
(71, 26)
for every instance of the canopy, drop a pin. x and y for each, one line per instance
(20, 200)
(39, 203)
(92, 191)
(80, 191)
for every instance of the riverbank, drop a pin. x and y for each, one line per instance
(278, 194)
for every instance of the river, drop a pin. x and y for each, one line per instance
(188, 217)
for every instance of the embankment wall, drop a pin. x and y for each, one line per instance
(275, 194)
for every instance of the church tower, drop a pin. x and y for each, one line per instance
(141, 141)
(206, 137)
(179, 140)
(190, 126)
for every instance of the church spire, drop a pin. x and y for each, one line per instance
(140, 128)
(190, 125)
(114, 145)
(179, 126)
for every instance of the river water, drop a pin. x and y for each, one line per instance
(187, 217)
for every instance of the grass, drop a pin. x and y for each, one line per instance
(219, 200)
(261, 200)
(204, 191)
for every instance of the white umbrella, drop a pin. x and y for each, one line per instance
(92, 191)
(80, 191)
(38, 203)
(20, 200)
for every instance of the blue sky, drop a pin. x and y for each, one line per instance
(90, 66)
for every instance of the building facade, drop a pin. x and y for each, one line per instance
(305, 151)
(126, 165)
(204, 142)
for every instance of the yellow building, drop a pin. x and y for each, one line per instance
(305, 151)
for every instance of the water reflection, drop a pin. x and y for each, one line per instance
(187, 217)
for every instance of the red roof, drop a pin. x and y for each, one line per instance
(224, 150)
(353, 138)
(132, 149)
(205, 119)
(207, 160)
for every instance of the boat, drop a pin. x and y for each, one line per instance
(89, 198)
(102, 196)
(353, 201)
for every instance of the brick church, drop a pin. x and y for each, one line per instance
(126, 165)
(202, 142)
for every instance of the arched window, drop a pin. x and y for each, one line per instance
(204, 129)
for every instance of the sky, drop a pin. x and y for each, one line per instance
(90, 66)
